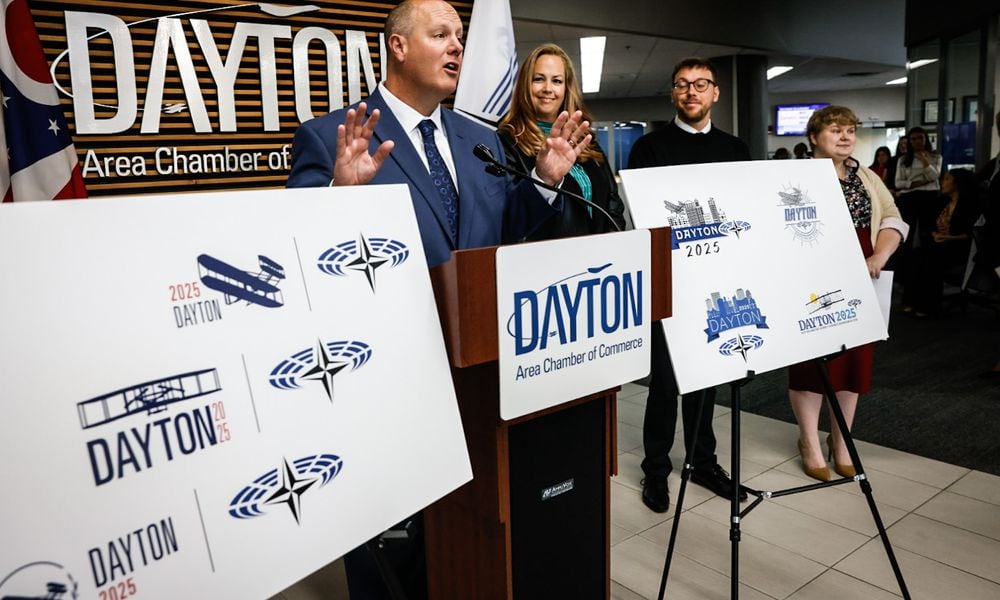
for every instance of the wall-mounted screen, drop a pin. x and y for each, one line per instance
(791, 119)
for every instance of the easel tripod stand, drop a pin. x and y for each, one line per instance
(736, 515)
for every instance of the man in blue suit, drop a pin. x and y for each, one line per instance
(389, 140)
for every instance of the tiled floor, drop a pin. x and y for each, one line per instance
(943, 521)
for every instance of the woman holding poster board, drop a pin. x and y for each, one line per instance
(832, 134)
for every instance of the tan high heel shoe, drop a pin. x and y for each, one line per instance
(842, 470)
(821, 473)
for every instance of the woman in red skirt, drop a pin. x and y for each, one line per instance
(832, 134)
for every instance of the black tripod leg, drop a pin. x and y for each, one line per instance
(678, 506)
(866, 487)
(377, 548)
(734, 500)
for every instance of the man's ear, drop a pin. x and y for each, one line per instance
(396, 45)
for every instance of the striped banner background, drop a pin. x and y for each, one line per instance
(113, 163)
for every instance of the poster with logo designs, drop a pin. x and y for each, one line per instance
(767, 268)
(214, 395)
(573, 318)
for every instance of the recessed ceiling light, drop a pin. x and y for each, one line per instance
(592, 62)
(775, 71)
(899, 81)
(919, 63)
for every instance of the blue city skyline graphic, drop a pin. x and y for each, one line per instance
(260, 287)
(740, 310)
(285, 486)
(151, 397)
(321, 363)
(690, 221)
(364, 255)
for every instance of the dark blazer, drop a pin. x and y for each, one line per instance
(492, 210)
(574, 219)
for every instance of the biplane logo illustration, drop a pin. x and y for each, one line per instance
(365, 255)
(237, 285)
(828, 310)
(41, 580)
(150, 397)
(801, 216)
(690, 222)
(285, 485)
(320, 363)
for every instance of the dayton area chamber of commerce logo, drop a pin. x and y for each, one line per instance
(42, 580)
(801, 217)
(365, 256)
(253, 287)
(695, 225)
(828, 310)
(320, 364)
(285, 486)
(725, 314)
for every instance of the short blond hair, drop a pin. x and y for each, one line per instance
(826, 116)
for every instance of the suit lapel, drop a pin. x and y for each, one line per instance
(468, 168)
(406, 158)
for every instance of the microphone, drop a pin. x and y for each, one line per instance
(496, 168)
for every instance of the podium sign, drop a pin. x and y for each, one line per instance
(767, 267)
(215, 395)
(573, 318)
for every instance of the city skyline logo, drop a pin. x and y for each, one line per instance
(800, 214)
(42, 580)
(690, 222)
(830, 309)
(285, 486)
(151, 397)
(739, 310)
(320, 363)
(260, 287)
(365, 255)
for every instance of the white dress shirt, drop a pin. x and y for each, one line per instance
(685, 127)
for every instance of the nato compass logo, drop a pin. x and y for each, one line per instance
(690, 223)
(828, 310)
(741, 345)
(42, 580)
(259, 288)
(730, 313)
(364, 256)
(800, 214)
(286, 485)
(151, 397)
(320, 364)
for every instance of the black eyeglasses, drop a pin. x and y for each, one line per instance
(700, 85)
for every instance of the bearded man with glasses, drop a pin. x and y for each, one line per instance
(688, 139)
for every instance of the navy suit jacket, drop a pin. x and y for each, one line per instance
(492, 210)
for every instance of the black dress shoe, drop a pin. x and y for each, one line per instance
(655, 494)
(717, 480)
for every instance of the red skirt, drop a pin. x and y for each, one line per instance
(852, 370)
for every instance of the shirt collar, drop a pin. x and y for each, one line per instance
(407, 116)
(685, 127)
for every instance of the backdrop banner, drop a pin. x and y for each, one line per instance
(573, 318)
(215, 395)
(767, 268)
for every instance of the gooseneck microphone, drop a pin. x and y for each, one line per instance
(496, 168)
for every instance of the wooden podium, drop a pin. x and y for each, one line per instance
(469, 532)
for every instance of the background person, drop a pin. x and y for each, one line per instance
(689, 139)
(880, 164)
(832, 132)
(800, 150)
(547, 86)
(944, 246)
(917, 181)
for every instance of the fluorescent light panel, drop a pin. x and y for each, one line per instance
(919, 63)
(592, 62)
(899, 81)
(775, 71)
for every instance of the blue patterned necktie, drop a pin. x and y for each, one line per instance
(441, 177)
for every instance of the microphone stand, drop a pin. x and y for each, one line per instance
(497, 169)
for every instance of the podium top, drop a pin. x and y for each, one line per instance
(465, 288)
